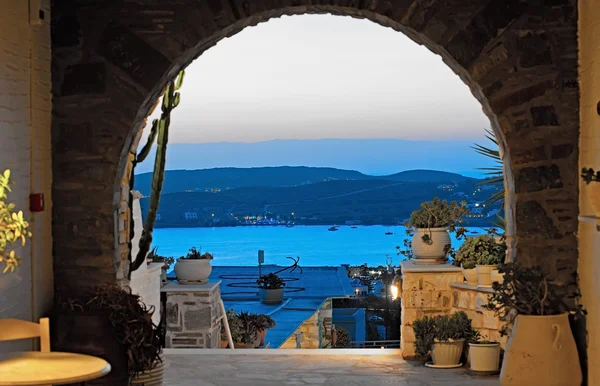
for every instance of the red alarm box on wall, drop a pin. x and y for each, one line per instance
(36, 202)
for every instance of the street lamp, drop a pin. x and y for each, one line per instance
(396, 287)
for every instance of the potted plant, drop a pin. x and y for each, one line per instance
(248, 336)
(489, 254)
(484, 354)
(541, 349)
(466, 259)
(235, 327)
(113, 323)
(194, 267)
(592, 180)
(154, 257)
(13, 227)
(429, 226)
(270, 288)
(443, 338)
(262, 323)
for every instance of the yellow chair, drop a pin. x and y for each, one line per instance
(15, 329)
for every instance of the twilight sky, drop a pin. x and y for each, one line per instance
(321, 76)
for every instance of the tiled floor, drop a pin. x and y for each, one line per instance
(330, 370)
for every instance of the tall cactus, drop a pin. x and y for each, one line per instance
(160, 130)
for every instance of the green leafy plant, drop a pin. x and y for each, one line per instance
(160, 130)
(441, 328)
(156, 258)
(270, 282)
(438, 214)
(13, 227)
(262, 322)
(249, 331)
(196, 254)
(528, 291)
(482, 250)
(589, 175)
(131, 320)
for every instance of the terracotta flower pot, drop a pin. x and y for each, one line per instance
(262, 334)
(470, 275)
(484, 275)
(433, 252)
(447, 353)
(484, 356)
(541, 350)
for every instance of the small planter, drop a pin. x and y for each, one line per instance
(485, 357)
(268, 296)
(433, 252)
(192, 271)
(224, 344)
(447, 353)
(153, 377)
(484, 274)
(262, 334)
(470, 275)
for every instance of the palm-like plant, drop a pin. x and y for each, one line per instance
(495, 175)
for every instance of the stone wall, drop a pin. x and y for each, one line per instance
(431, 290)
(470, 299)
(589, 225)
(310, 334)
(25, 145)
(111, 62)
(193, 313)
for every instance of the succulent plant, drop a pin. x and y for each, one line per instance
(482, 250)
(270, 282)
(196, 254)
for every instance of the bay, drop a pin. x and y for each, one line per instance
(315, 245)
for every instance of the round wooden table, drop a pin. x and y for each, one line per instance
(49, 368)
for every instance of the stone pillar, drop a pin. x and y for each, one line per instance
(426, 290)
(193, 314)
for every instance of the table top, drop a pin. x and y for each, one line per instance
(49, 368)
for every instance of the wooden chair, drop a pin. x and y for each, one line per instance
(15, 329)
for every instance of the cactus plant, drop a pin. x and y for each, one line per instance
(13, 227)
(160, 133)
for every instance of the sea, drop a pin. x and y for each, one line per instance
(314, 245)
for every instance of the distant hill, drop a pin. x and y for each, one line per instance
(306, 196)
(421, 175)
(281, 176)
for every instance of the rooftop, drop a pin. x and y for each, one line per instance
(306, 290)
(331, 369)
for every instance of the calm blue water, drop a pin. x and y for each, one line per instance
(314, 244)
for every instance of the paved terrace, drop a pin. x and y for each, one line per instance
(295, 369)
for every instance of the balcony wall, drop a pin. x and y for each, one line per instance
(25, 118)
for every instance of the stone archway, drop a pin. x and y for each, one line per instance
(111, 60)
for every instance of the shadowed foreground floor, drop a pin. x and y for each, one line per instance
(334, 370)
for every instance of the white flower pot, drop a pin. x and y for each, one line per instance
(484, 275)
(192, 270)
(434, 251)
(484, 357)
(447, 353)
(268, 296)
(470, 275)
(541, 350)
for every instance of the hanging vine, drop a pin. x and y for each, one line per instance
(159, 133)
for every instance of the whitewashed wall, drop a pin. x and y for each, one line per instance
(25, 148)
(145, 281)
